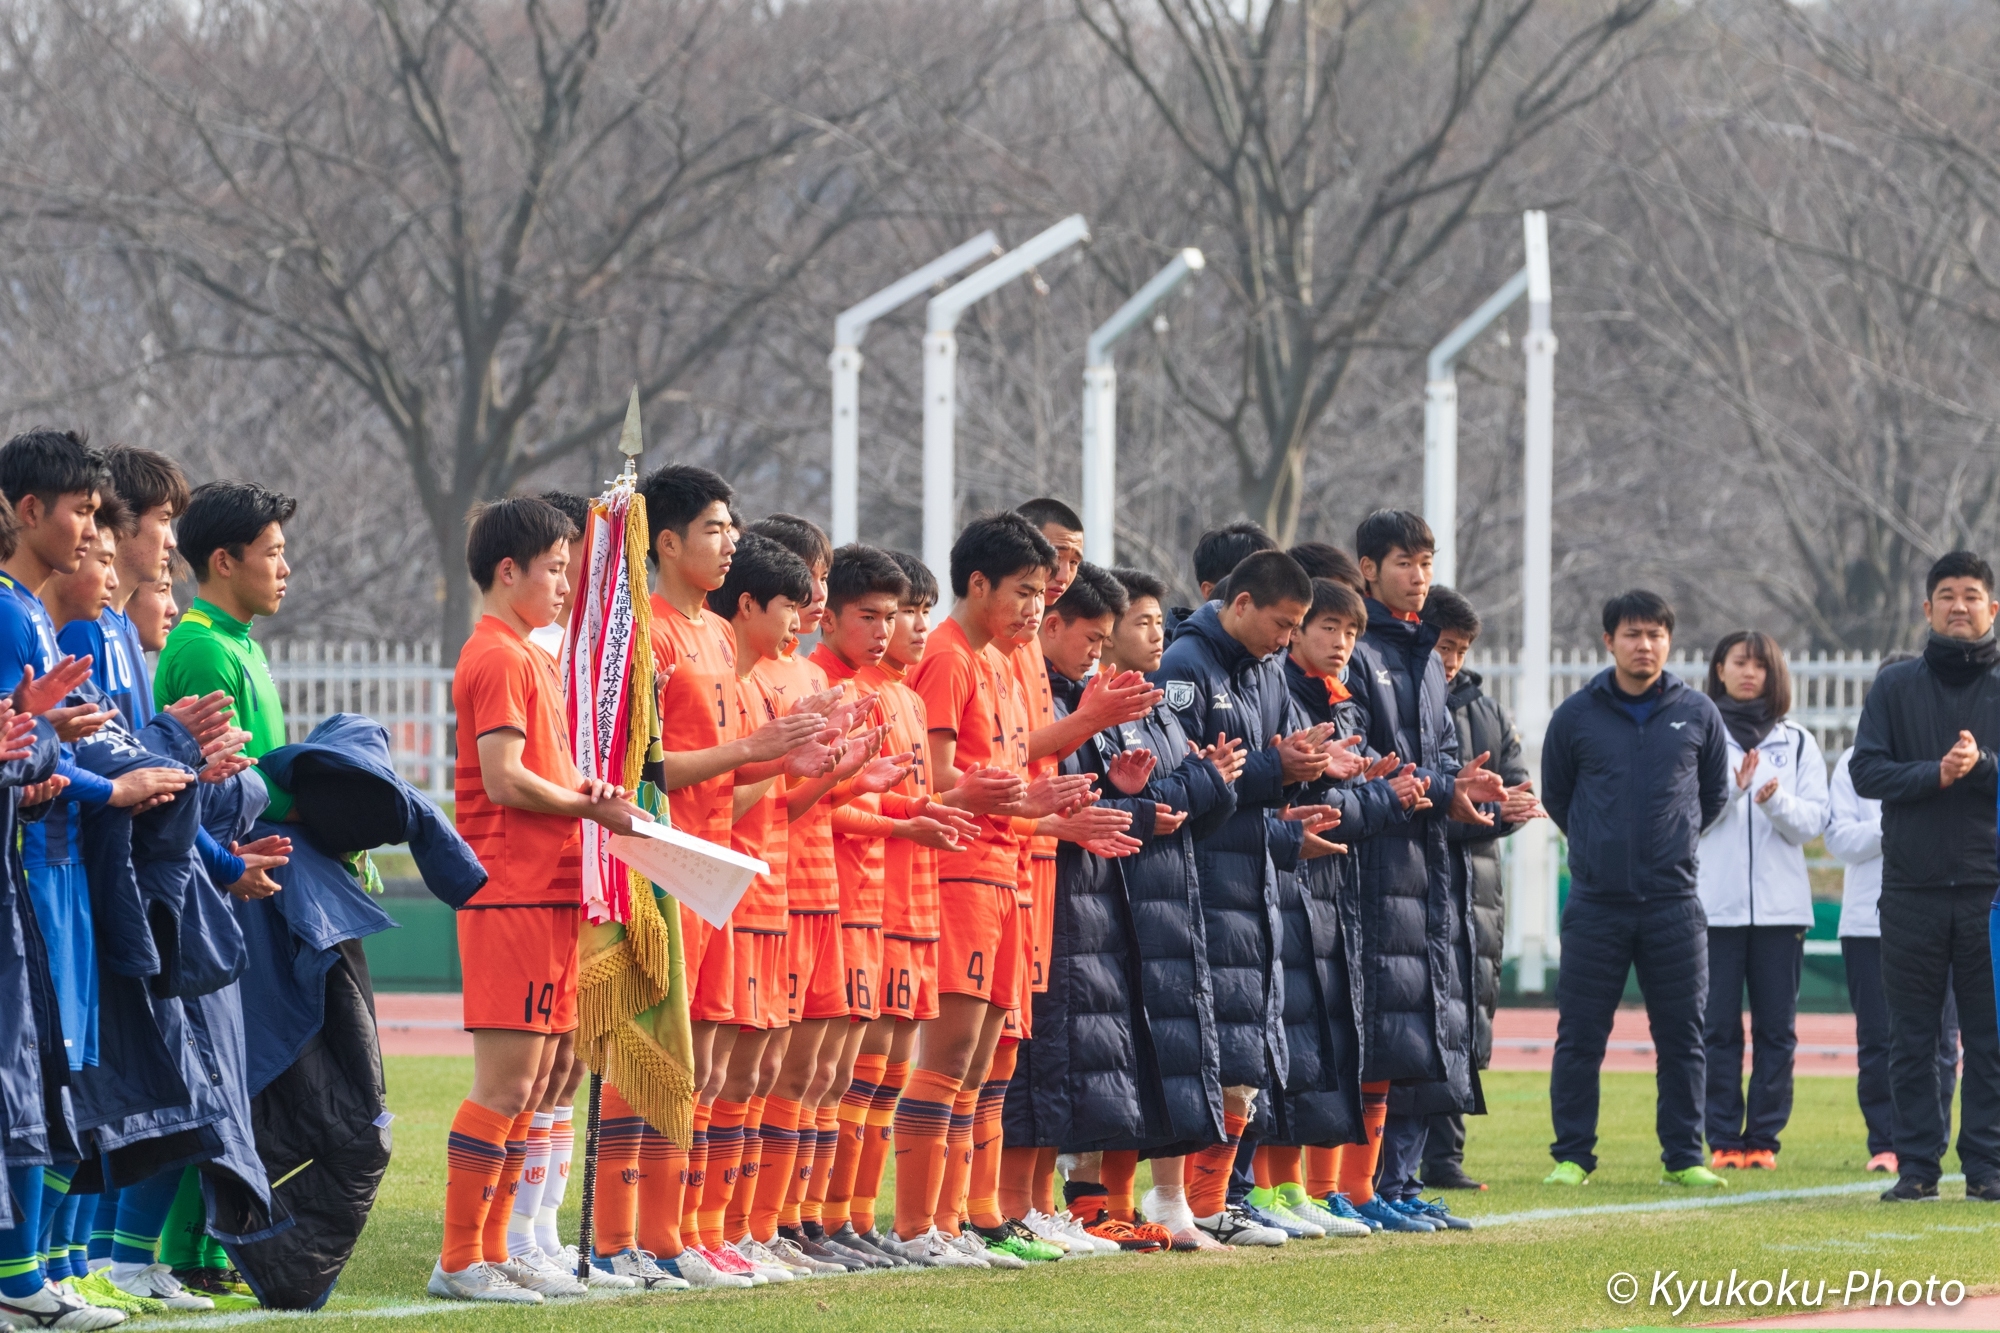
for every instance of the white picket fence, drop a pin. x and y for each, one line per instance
(403, 686)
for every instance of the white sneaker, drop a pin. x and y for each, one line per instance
(481, 1282)
(603, 1278)
(1049, 1230)
(156, 1282)
(974, 1248)
(788, 1253)
(933, 1249)
(764, 1262)
(695, 1270)
(52, 1307)
(1073, 1230)
(639, 1266)
(1233, 1226)
(534, 1270)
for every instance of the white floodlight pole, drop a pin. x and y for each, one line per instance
(1534, 902)
(1100, 406)
(941, 379)
(848, 331)
(1441, 427)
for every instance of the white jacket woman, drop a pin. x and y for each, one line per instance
(1753, 860)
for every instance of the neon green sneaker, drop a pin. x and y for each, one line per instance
(1694, 1177)
(1567, 1173)
(1011, 1237)
(98, 1289)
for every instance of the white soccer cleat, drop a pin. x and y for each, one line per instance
(534, 1270)
(481, 1282)
(788, 1253)
(1051, 1231)
(53, 1307)
(639, 1266)
(934, 1249)
(693, 1268)
(1233, 1226)
(1074, 1230)
(156, 1282)
(602, 1278)
(974, 1248)
(764, 1263)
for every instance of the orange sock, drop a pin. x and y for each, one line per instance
(736, 1216)
(957, 1162)
(780, 1140)
(615, 1218)
(875, 1147)
(493, 1234)
(852, 1114)
(475, 1155)
(983, 1181)
(1274, 1164)
(697, 1174)
(812, 1207)
(923, 1123)
(1017, 1180)
(662, 1183)
(802, 1168)
(1118, 1169)
(1322, 1171)
(1044, 1197)
(1357, 1160)
(1208, 1170)
(725, 1164)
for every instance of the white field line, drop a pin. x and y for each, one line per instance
(1717, 1200)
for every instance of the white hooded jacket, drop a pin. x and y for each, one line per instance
(1753, 861)
(1854, 834)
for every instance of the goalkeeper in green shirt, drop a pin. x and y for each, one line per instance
(233, 534)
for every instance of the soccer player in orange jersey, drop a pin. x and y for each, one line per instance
(999, 571)
(520, 800)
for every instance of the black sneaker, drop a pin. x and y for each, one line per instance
(1910, 1190)
(1451, 1176)
(1986, 1191)
(867, 1242)
(814, 1249)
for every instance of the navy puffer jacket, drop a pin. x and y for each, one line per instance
(1124, 1053)
(1413, 970)
(1320, 906)
(1217, 689)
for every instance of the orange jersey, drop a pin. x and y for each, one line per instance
(962, 693)
(859, 829)
(504, 683)
(1031, 669)
(811, 883)
(891, 881)
(761, 831)
(698, 710)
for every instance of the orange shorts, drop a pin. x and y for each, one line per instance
(861, 958)
(1042, 880)
(519, 965)
(980, 949)
(760, 980)
(908, 989)
(709, 961)
(813, 968)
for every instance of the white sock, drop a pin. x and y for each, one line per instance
(1167, 1207)
(123, 1273)
(528, 1198)
(555, 1183)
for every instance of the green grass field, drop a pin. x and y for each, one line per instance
(1535, 1274)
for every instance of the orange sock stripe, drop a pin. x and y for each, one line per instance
(475, 1156)
(725, 1161)
(824, 1152)
(957, 1162)
(920, 1136)
(697, 1174)
(876, 1146)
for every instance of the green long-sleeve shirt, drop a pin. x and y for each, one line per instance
(211, 650)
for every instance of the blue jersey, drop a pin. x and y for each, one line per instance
(117, 662)
(28, 639)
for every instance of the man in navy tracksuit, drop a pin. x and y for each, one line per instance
(1634, 767)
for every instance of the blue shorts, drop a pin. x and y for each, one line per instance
(61, 897)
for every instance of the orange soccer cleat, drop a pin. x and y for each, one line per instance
(1726, 1159)
(1883, 1161)
(1759, 1159)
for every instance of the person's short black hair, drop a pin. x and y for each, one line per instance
(801, 536)
(1222, 549)
(228, 516)
(923, 584)
(1641, 608)
(676, 494)
(1269, 577)
(1387, 529)
(1331, 597)
(574, 507)
(1092, 593)
(48, 463)
(1044, 511)
(1138, 583)
(1324, 560)
(146, 481)
(998, 546)
(115, 516)
(858, 571)
(764, 569)
(518, 528)
(1950, 565)
(1446, 609)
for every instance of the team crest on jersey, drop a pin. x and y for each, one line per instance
(1180, 695)
(1777, 757)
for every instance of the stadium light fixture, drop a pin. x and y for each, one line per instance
(941, 379)
(1100, 406)
(848, 331)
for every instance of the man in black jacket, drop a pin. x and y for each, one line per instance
(1925, 749)
(1634, 767)
(1483, 728)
